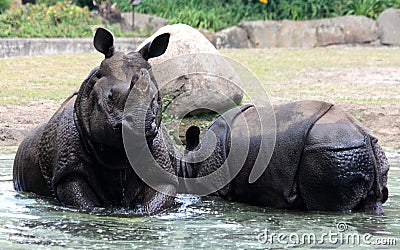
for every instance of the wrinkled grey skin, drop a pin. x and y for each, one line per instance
(323, 160)
(78, 156)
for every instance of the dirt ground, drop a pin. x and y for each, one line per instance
(17, 120)
(382, 118)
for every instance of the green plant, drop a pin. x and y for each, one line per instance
(47, 2)
(369, 8)
(4, 5)
(123, 5)
(307, 9)
(208, 14)
(60, 20)
(216, 15)
(81, 3)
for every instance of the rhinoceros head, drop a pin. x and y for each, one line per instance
(102, 97)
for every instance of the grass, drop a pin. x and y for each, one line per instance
(357, 78)
(331, 74)
(287, 74)
(25, 79)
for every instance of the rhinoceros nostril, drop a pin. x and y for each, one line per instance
(135, 78)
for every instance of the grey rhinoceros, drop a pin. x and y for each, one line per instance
(323, 159)
(78, 156)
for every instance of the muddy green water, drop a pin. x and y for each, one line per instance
(30, 222)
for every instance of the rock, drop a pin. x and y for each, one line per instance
(269, 34)
(389, 27)
(233, 37)
(327, 33)
(299, 34)
(346, 30)
(210, 35)
(143, 22)
(262, 34)
(189, 73)
(312, 33)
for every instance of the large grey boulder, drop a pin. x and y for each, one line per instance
(389, 26)
(346, 30)
(192, 75)
(143, 22)
(210, 35)
(287, 33)
(312, 33)
(262, 34)
(232, 37)
(299, 34)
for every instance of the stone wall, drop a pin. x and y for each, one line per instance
(313, 33)
(247, 34)
(47, 46)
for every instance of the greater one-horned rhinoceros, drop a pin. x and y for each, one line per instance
(323, 159)
(78, 156)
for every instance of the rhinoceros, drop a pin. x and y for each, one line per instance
(78, 156)
(323, 159)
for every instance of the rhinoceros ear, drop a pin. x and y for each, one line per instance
(192, 137)
(155, 48)
(103, 41)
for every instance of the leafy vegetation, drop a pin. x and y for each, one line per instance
(216, 15)
(369, 8)
(207, 14)
(62, 19)
(4, 5)
(50, 18)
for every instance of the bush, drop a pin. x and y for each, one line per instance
(369, 8)
(216, 15)
(81, 3)
(63, 19)
(208, 14)
(4, 5)
(47, 2)
(60, 20)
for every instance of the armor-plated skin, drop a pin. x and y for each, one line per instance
(323, 159)
(79, 157)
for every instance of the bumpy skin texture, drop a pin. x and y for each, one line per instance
(78, 156)
(323, 160)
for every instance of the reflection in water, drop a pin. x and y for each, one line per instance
(26, 219)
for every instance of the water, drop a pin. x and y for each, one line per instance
(28, 221)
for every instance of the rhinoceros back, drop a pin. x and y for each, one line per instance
(277, 186)
(342, 167)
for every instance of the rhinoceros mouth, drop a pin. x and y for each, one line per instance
(133, 124)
